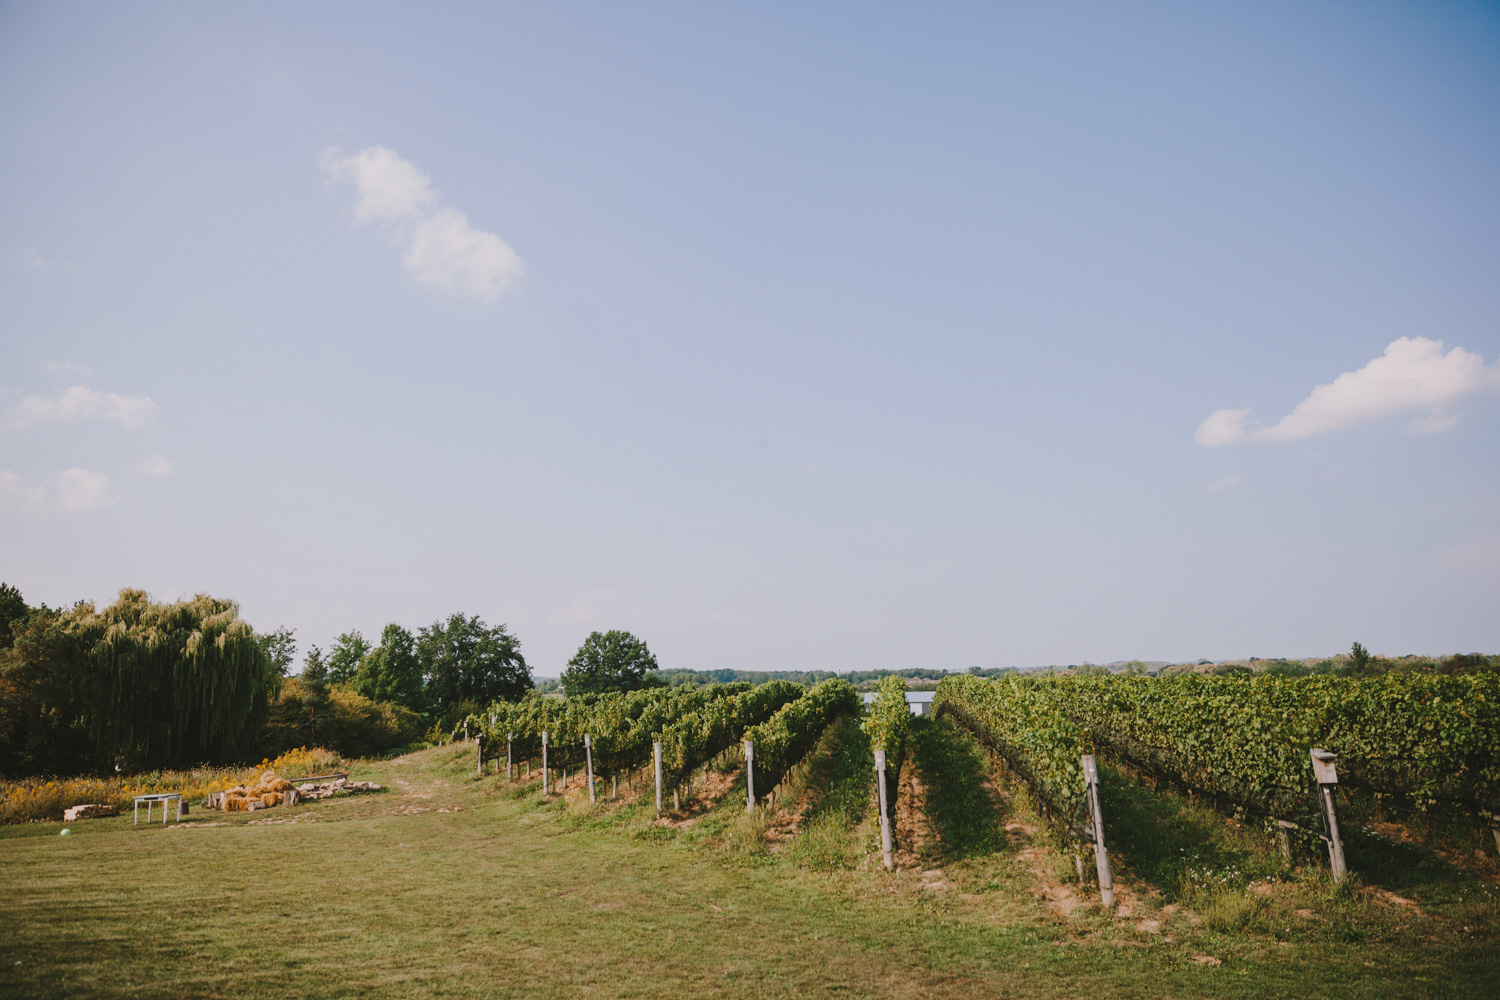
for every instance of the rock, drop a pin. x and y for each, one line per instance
(89, 811)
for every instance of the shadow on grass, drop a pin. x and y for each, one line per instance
(841, 771)
(1182, 848)
(964, 814)
(1414, 871)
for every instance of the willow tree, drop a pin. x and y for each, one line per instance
(163, 685)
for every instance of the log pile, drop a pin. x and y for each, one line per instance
(339, 786)
(270, 790)
(89, 811)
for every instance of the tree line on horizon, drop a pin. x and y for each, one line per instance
(142, 684)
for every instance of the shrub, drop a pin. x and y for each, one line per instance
(344, 720)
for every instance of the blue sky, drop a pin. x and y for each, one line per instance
(785, 336)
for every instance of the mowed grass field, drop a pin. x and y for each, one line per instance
(448, 885)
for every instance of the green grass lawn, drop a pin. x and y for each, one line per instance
(448, 885)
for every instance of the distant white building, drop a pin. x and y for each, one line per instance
(919, 702)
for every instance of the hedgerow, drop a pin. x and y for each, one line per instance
(1421, 739)
(787, 736)
(1019, 718)
(697, 737)
(622, 726)
(888, 721)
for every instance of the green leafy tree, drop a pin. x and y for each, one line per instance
(1359, 658)
(465, 660)
(391, 672)
(315, 673)
(138, 683)
(280, 646)
(610, 661)
(348, 651)
(12, 609)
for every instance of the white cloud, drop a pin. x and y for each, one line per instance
(81, 403)
(389, 188)
(449, 254)
(1414, 373)
(1223, 484)
(71, 490)
(80, 489)
(152, 467)
(444, 250)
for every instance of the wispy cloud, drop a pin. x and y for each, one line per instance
(16, 495)
(1414, 373)
(67, 369)
(152, 466)
(443, 249)
(1223, 484)
(73, 490)
(81, 403)
(80, 489)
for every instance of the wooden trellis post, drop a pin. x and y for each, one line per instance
(588, 756)
(509, 737)
(1327, 777)
(1096, 820)
(749, 778)
(1284, 838)
(656, 755)
(479, 756)
(546, 787)
(887, 857)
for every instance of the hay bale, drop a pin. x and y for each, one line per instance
(236, 803)
(269, 799)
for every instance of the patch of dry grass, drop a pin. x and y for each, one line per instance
(42, 798)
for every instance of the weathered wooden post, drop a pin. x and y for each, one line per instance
(656, 755)
(546, 788)
(887, 857)
(614, 786)
(479, 755)
(588, 757)
(509, 737)
(749, 778)
(1326, 775)
(1101, 854)
(1284, 839)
